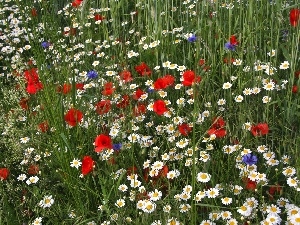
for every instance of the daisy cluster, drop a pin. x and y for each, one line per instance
(143, 118)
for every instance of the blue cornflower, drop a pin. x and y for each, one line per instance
(117, 146)
(250, 159)
(92, 74)
(45, 44)
(192, 38)
(230, 46)
(150, 90)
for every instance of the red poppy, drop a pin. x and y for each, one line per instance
(227, 60)
(76, 3)
(260, 129)
(65, 89)
(33, 82)
(164, 82)
(233, 40)
(124, 103)
(297, 74)
(295, 89)
(132, 170)
(143, 69)
(33, 169)
(34, 88)
(98, 17)
(218, 128)
(24, 103)
(43, 127)
(33, 12)
(137, 94)
(140, 109)
(249, 184)
(87, 165)
(73, 117)
(4, 172)
(294, 17)
(189, 77)
(184, 129)
(201, 62)
(159, 107)
(126, 76)
(103, 107)
(79, 86)
(108, 89)
(102, 142)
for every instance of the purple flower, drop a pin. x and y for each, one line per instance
(230, 46)
(45, 44)
(250, 159)
(192, 38)
(117, 146)
(92, 74)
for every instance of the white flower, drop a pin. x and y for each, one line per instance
(239, 98)
(37, 221)
(120, 203)
(22, 177)
(46, 202)
(227, 85)
(203, 177)
(226, 200)
(285, 65)
(292, 182)
(24, 140)
(272, 53)
(32, 180)
(75, 163)
(266, 99)
(155, 195)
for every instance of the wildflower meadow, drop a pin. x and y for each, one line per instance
(155, 112)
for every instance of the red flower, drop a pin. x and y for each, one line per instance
(33, 169)
(132, 170)
(4, 172)
(260, 129)
(98, 17)
(138, 93)
(249, 184)
(184, 129)
(102, 142)
(73, 117)
(87, 165)
(65, 89)
(33, 82)
(164, 82)
(103, 107)
(108, 89)
(43, 127)
(24, 103)
(233, 40)
(79, 86)
(297, 74)
(159, 107)
(126, 76)
(189, 78)
(143, 69)
(295, 89)
(140, 109)
(124, 103)
(76, 3)
(33, 12)
(294, 17)
(201, 62)
(218, 128)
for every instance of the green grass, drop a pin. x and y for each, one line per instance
(156, 33)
